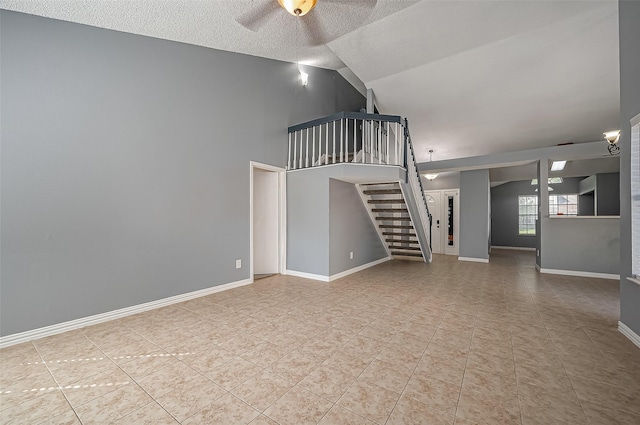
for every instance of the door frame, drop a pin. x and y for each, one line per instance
(282, 214)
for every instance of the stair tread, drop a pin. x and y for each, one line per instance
(394, 226)
(407, 248)
(404, 241)
(398, 234)
(391, 210)
(406, 254)
(382, 191)
(394, 218)
(386, 201)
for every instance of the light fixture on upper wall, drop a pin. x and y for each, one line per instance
(558, 165)
(612, 137)
(298, 7)
(304, 78)
(430, 176)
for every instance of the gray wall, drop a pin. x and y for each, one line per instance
(326, 218)
(504, 210)
(474, 214)
(350, 230)
(607, 194)
(504, 214)
(629, 16)
(125, 164)
(581, 244)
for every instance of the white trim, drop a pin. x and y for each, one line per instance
(634, 280)
(324, 278)
(579, 273)
(514, 248)
(357, 269)
(320, 277)
(474, 260)
(21, 337)
(282, 218)
(626, 331)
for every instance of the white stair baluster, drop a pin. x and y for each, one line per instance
(295, 149)
(313, 147)
(306, 157)
(387, 153)
(372, 132)
(326, 145)
(341, 140)
(379, 142)
(333, 135)
(300, 163)
(355, 151)
(289, 153)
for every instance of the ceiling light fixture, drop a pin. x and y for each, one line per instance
(304, 78)
(298, 7)
(430, 176)
(612, 138)
(558, 165)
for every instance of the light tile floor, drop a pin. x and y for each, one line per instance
(401, 343)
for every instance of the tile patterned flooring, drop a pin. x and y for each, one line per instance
(400, 343)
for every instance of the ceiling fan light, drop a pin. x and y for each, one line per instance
(431, 177)
(298, 7)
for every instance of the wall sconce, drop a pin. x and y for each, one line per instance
(612, 137)
(304, 78)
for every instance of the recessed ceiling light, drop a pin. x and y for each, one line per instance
(558, 165)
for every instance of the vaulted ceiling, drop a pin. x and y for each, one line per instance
(473, 77)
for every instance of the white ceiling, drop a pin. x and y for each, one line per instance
(473, 77)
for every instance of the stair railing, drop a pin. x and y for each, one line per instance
(415, 181)
(354, 137)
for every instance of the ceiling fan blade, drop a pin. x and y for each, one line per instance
(256, 17)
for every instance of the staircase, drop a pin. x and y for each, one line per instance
(399, 208)
(387, 208)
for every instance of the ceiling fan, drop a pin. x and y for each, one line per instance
(314, 31)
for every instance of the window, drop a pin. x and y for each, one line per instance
(551, 180)
(527, 214)
(563, 204)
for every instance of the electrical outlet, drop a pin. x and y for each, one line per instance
(351, 255)
(238, 264)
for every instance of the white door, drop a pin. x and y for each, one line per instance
(434, 202)
(451, 213)
(265, 221)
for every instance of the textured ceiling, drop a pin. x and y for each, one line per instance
(473, 77)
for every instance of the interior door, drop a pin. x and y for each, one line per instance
(265, 222)
(434, 202)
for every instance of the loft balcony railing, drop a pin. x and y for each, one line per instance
(360, 138)
(347, 137)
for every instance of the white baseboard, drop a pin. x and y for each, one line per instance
(474, 260)
(626, 331)
(26, 336)
(320, 277)
(514, 248)
(579, 273)
(357, 269)
(324, 278)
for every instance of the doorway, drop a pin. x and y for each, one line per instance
(267, 220)
(443, 206)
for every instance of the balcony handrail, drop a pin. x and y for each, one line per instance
(343, 115)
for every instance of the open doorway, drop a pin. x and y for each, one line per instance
(268, 220)
(443, 206)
